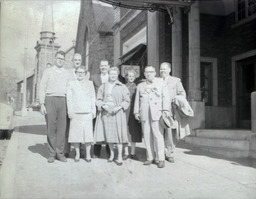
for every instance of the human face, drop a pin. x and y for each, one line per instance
(130, 77)
(77, 60)
(104, 67)
(59, 60)
(164, 70)
(150, 73)
(113, 75)
(80, 74)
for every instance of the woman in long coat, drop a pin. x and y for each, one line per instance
(113, 99)
(134, 127)
(81, 111)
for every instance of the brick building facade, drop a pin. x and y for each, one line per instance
(95, 35)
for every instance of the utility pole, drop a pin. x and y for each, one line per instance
(24, 98)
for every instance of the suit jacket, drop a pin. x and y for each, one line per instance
(151, 100)
(96, 79)
(174, 87)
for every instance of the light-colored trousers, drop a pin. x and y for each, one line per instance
(153, 138)
(169, 140)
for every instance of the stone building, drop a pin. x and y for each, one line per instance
(95, 35)
(212, 48)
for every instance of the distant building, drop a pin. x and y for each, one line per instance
(95, 35)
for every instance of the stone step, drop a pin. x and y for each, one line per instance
(219, 143)
(235, 134)
(230, 153)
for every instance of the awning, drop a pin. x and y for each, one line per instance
(130, 54)
(151, 5)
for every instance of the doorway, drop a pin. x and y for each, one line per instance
(246, 83)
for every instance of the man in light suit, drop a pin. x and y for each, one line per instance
(175, 88)
(151, 102)
(98, 79)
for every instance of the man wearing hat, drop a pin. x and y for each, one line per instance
(151, 102)
(175, 88)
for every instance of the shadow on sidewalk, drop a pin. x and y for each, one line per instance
(193, 150)
(41, 149)
(32, 129)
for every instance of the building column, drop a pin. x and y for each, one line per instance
(117, 36)
(194, 92)
(177, 44)
(153, 40)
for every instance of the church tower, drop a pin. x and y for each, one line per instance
(45, 47)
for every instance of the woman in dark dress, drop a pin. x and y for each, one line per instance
(134, 127)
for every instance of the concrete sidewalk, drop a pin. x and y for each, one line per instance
(195, 174)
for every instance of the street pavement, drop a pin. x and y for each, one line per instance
(195, 174)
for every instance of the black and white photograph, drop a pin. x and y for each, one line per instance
(127, 99)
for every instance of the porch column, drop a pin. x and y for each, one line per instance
(153, 40)
(117, 35)
(194, 93)
(177, 44)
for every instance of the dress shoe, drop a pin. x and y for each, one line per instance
(134, 157)
(62, 159)
(170, 159)
(51, 160)
(118, 163)
(95, 156)
(156, 161)
(77, 160)
(110, 160)
(148, 162)
(66, 155)
(125, 157)
(88, 160)
(161, 164)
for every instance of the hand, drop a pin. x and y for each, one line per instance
(116, 109)
(70, 115)
(137, 116)
(167, 114)
(43, 109)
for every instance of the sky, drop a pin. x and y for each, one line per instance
(13, 23)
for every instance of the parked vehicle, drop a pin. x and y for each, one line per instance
(6, 120)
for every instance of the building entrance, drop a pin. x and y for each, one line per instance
(246, 76)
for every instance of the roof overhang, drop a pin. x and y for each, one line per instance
(150, 5)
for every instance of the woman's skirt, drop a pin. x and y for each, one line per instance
(81, 128)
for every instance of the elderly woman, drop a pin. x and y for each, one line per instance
(113, 99)
(134, 127)
(81, 111)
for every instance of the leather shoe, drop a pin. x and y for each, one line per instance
(51, 160)
(148, 162)
(109, 160)
(67, 155)
(118, 163)
(125, 157)
(62, 159)
(161, 164)
(156, 161)
(170, 159)
(88, 160)
(77, 160)
(95, 156)
(134, 157)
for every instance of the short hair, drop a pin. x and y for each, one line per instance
(77, 54)
(81, 67)
(60, 52)
(130, 71)
(104, 60)
(149, 67)
(114, 69)
(168, 64)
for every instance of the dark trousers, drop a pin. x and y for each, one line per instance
(97, 150)
(56, 120)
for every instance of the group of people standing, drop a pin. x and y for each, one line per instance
(102, 110)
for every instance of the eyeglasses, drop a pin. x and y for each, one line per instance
(60, 58)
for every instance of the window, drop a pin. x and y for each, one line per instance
(245, 8)
(206, 83)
